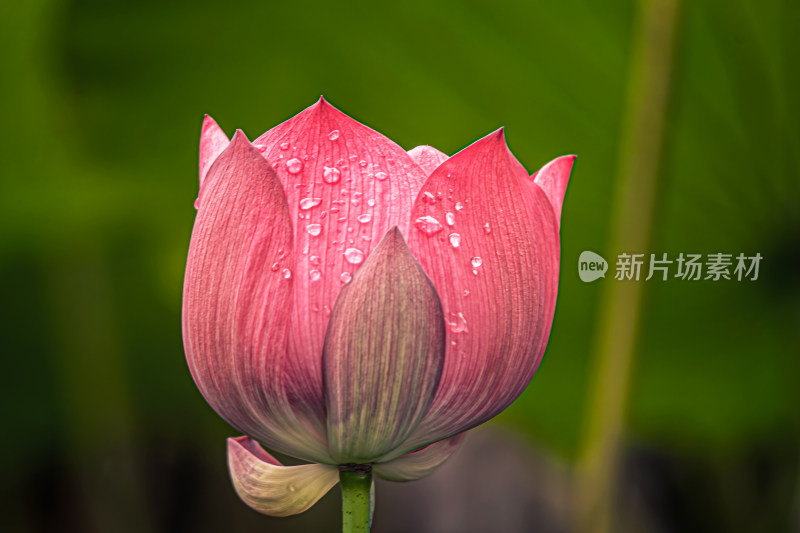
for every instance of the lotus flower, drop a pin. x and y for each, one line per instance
(350, 303)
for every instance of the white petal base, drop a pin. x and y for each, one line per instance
(271, 488)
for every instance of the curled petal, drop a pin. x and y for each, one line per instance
(420, 463)
(383, 354)
(237, 287)
(490, 245)
(212, 142)
(553, 179)
(346, 185)
(427, 157)
(271, 488)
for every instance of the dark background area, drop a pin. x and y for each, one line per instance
(101, 106)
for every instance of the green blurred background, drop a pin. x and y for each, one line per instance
(101, 104)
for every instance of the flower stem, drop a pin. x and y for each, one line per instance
(356, 486)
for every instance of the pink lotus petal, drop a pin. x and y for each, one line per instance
(553, 179)
(427, 157)
(212, 142)
(271, 488)
(334, 171)
(235, 295)
(383, 357)
(496, 272)
(420, 463)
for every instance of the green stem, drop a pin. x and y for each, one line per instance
(356, 486)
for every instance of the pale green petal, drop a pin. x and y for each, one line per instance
(420, 463)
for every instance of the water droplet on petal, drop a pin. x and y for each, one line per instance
(487, 229)
(459, 206)
(476, 262)
(314, 229)
(428, 225)
(458, 324)
(314, 275)
(362, 163)
(346, 277)
(284, 146)
(428, 197)
(364, 218)
(286, 273)
(474, 271)
(450, 218)
(294, 166)
(354, 256)
(333, 135)
(275, 267)
(353, 158)
(466, 293)
(308, 203)
(314, 260)
(331, 175)
(381, 176)
(455, 240)
(371, 203)
(326, 310)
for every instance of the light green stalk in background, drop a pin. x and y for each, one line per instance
(620, 307)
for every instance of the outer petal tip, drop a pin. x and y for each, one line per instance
(240, 137)
(553, 179)
(212, 143)
(271, 488)
(494, 142)
(497, 137)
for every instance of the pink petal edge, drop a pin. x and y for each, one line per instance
(212, 142)
(332, 168)
(427, 157)
(490, 245)
(235, 296)
(553, 179)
